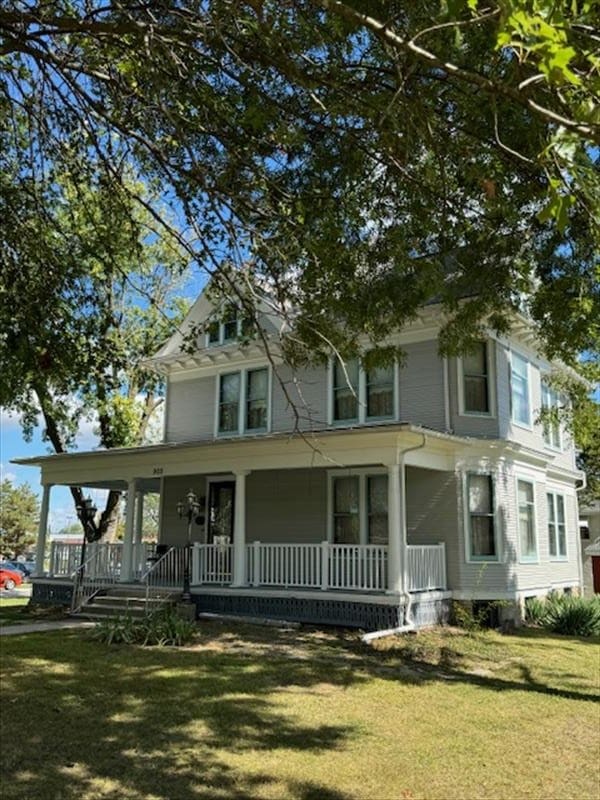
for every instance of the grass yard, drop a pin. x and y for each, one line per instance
(17, 611)
(252, 712)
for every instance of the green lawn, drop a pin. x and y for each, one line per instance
(17, 611)
(253, 712)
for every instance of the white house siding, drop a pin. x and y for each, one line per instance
(307, 391)
(422, 386)
(431, 508)
(190, 414)
(287, 506)
(510, 576)
(470, 424)
(533, 437)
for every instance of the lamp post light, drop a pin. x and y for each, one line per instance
(189, 509)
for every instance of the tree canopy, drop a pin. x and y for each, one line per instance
(359, 158)
(19, 515)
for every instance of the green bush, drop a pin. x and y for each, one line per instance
(574, 616)
(566, 614)
(535, 611)
(163, 627)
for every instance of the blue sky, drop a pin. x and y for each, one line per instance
(13, 445)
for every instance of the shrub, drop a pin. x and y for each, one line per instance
(567, 614)
(535, 611)
(163, 627)
(574, 616)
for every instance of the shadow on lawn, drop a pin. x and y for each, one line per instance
(126, 723)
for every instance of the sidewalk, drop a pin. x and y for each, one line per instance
(42, 627)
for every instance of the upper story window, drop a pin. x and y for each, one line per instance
(231, 326)
(481, 522)
(360, 394)
(476, 381)
(519, 390)
(551, 402)
(527, 534)
(557, 528)
(243, 401)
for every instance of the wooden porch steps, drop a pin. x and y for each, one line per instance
(126, 601)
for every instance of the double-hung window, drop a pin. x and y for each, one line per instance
(230, 327)
(243, 401)
(345, 391)
(476, 382)
(551, 403)
(519, 390)
(557, 529)
(480, 501)
(527, 534)
(360, 394)
(360, 509)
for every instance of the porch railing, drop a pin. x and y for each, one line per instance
(426, 567)
(212, 564)
(305, 566)
(165, 573)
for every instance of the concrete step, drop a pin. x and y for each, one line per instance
(140, 591)
(129, 602)
(97, 610)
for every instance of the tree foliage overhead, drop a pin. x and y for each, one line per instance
(360, 158)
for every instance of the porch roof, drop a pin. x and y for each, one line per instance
(326, 448)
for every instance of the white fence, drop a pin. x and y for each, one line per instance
(321, 566)
(212, 563)
(426, 567)
(65, 558)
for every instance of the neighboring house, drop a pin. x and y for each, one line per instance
(589, 526)
(427, 481)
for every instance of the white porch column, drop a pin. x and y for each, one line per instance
(40, 549)
(395, 517)
(127, 556)
(239, 529)
(139, 517)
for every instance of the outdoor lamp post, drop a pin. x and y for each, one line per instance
(189, 509)
(87, 514)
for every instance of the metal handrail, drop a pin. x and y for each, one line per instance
(84, 591)
(146, 577)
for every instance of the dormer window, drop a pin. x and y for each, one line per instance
(232, 326)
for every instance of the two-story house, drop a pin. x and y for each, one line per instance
(338, 493)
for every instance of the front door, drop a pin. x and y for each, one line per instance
(221, 500)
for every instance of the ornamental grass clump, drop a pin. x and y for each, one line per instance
(162, 628)
(566, 614)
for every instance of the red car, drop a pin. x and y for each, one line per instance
(9, 578)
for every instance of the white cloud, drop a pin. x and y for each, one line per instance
(9, 420)
(7, 476)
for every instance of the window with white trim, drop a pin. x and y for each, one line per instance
(481, 522)
(476, 380)
(551, 427)
(526, 509)
(519, 390)
(243, 401)
(360, 509)
(557, 527)
(233, 325)
(360, 394)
